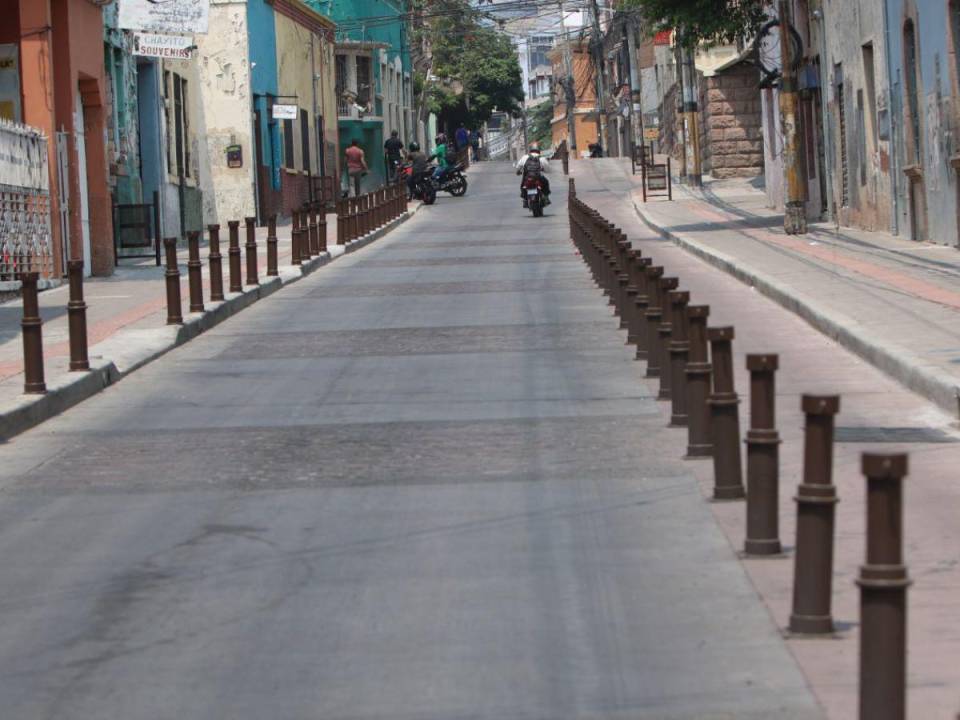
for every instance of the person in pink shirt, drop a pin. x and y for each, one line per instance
(356, 165)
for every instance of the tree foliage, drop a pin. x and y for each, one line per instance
(539, 123)
(476, 67)
(710, 21)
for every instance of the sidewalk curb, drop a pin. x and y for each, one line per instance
(904, 367)
(28, 411)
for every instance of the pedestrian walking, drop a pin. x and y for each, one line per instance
(475, 144)
(356, 166)
(461, 138)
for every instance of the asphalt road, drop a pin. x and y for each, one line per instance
(426, 483)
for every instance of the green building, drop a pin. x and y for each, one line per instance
(374, 82)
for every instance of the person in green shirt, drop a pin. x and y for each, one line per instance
(440, 155)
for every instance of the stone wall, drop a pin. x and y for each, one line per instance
(731, 119)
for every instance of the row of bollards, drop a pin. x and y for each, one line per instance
(693, 367)
(359, 216)
(309, 240)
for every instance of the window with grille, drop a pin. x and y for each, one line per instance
(844, 169)
(364, 93)
(913, 101)
(176, 112)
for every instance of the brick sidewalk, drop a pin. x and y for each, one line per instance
(892, 301)
(876, 414)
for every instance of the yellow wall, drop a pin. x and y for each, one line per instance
(303, 55)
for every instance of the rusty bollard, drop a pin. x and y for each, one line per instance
(194, 268)
(641, 303)
(172, 277)
(251, 248)
(667, 285)
(698, 383)
(216, 264)
(295, 253)
(272, 269)
(350, 222)
(816, 506)
(763, 460)
(233, 256)
(883, 585)
(623, 282)
(77, 318)
(653, 316)
(341, 207)
(31, 328)
(305, 250)
(675, 357)
(321, 227)
(311, 211)
(723, 406)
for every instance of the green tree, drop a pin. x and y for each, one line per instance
(710, 21)
(476, 66)
(540, 124)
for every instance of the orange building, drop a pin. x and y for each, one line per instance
(58, 86)
(586, 125)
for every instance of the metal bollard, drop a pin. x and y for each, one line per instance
(194, 272)
(314, 229)
(251, 248)
(763, 460)
(77, 318)
(642, 302)
(724, 429)
(172, 276)
(305, 249)
(883, 585)
(216, 264)
(272, 269)
(816, 506)
(233, 256)
(31, 328)
(653, 315)
(667, 285)
(341, 208)
(623, 281)
(698, 383)
(678, 350)
(295, 254)
(321, 227)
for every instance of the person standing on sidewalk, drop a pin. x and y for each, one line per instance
(356, 165)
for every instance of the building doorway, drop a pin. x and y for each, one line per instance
(84, 195)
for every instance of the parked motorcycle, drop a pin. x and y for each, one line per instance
(533, 196)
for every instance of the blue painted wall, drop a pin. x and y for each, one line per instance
(938, 114)
(263, 81)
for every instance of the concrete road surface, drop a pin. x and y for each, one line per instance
(425, 483)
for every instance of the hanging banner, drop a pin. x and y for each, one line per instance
(162, 46)
(164, 16)
(285, 112)
(23, 157)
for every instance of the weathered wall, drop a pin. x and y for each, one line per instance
(937, 89)
(732, 143)
(844, 32)
(123, 137)
(223, 78)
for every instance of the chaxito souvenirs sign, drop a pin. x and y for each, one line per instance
(162, 46)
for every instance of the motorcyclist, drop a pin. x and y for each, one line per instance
(534, 163)
(419, 165)
(440, 155)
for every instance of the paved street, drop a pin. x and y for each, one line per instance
(424, 482)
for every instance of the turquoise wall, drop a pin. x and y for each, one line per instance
(263, 81)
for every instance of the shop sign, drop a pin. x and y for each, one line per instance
(178, 47)
(168, 16)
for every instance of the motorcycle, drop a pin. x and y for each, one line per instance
(533, 196)
(423, 188)
(452, 180)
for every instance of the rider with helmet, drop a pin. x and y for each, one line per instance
(420, 165)
(533, 164)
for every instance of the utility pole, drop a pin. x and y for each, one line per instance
(596, 46)
(690, 118)
(569, 88)
(636, 109)
(795, 215)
